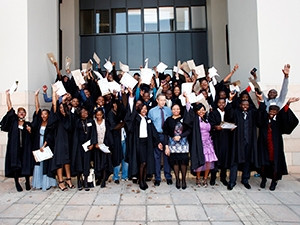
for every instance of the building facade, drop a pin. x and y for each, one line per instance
(219, 33)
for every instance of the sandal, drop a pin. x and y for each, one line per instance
(198, 183)
(62, 188)
(72, 186)
(205, 184)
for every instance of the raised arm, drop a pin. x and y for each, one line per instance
(8, 101)
(285, 83)
(54, 100)
(236, 66)
(37, 103)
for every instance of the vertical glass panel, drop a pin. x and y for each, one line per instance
(119, 20)
(182, 18)
(102, 21)
(166, 19)
(198, 17)
(150, 19)
(86, 21)
(134, 20)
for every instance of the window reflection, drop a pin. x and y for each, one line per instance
(134, 20)
(166, 19)
(150, 19)
(86, 21)
(119, 20)
(182, 18)
(102, 21)
(198, 17)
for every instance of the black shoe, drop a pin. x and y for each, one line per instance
(263, 182)
(86, 186)
(224, 182)
(169, 181)
(142, 186)
(134, 180)
(212, 182)
(103, 184)
(18, 187)
(183, 184)
(27, 186)
(98, 182)
(230, 186)
(246, 185)
(117, 182)
(178, 184)
(157, 182)
(146, 185)
(273, 185)
(79, 185)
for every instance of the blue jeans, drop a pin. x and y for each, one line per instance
(124, 165)
(157, 158)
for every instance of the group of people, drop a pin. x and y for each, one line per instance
(151, 126)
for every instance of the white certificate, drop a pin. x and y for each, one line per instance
(146, 75)
(226, 125)
(78, 77)
(59, 88)
(44, 155)
(161, 67)
(103, 84)
(114, 86)
(128, 81)
(96, 58)
(86, 145)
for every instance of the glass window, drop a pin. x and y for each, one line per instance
(166, 19)
(102, 21)
(134, 20)
(86, 21)
(150, 19)
(182, 18)
(119, 21)
(198, 17)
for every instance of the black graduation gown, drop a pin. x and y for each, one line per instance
(133, 126)
(83, 132)
(238, 151)
(17, 159)
(114, 137)
(195, 140)
(221, 140)
(48, 136)
(285, 123)
(62, 130)
(102, 161)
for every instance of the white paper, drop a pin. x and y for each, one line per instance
(161, 67)
(41, 156)
(185, 67)
(199, 70)
(187, 87)
(59, 88)
(13, 87)
(98, 74)
(68, 63)
(108, 66)
(78, 77)
(146, 75)
(86, 145)
(89, 65)
(123, 67)
(234, 88)
(104, 148)
(128, 81)
(103, 84)
(177, 70)
(96, 58)
(212, 72)
(146, 62)
(226, 125)
(191, 64)
(114, 86)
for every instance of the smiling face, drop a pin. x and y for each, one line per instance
(45, 115)
(221, 104)
(21, 113)
(84, 114)
(176, 91)
(176, 110)
(99, 115)
(272, 94)
(244, 105)
(201, 112)
(161, 101)
(144, 111)
(100, 101)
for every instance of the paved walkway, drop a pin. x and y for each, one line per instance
(125, 204)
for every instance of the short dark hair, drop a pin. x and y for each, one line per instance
(274, 107)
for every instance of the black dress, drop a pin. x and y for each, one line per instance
(19, 158)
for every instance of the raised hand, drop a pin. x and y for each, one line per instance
(286, 70)
(293, 99)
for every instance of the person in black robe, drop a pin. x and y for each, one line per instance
(84, 131)
(102, 159)
(43, 177)
(244, 153)
(62, 121)
(270, 143)
(19, 160)
(145, 138)
(177, 146)
(115, 124)
(222, 142)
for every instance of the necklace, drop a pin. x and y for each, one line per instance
(84, 126)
